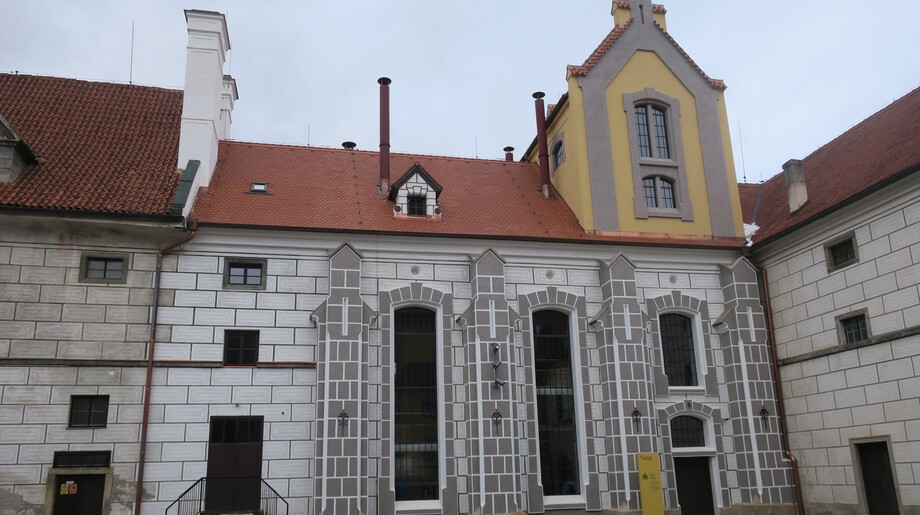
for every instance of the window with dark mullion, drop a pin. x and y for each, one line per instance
(245, 273)
(416, 407)
(661, 133)
(241, 347)
(555, 403)
(415, 205)
(677, 349)
(88, 410)
(645, 145)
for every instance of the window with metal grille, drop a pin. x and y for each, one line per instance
(81, 459)
(558, 155)
(103, 269)
(687, 432)
(241, 347)
(555, 403)
(658, 192)
(416, 407)
(677, 349)
(415, 205)
(855, 328)
(841, 254)
(650, 116)
(88, 410)
(236, 429)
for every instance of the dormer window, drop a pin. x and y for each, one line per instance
(259, 187)
(415, 205)
(416, 195)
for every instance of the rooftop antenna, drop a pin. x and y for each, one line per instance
(476, 139)
(131, 69)
(741, 144)
(308, 134)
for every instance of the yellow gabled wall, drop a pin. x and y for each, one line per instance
(572, 179)
(646, 70)
(732, 178)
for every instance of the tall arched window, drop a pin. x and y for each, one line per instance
(678, 350)
(555, 403)
(416, 404)
(652, 130)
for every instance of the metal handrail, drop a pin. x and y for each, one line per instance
(228, 494)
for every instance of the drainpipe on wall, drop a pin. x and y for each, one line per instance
(541, 143)
(142, 458)
(784, 436)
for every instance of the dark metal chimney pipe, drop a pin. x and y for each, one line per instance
(509, 153)
(541, 143)
(349, 145)
(384, 186)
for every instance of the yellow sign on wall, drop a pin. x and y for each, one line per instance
(650, 483)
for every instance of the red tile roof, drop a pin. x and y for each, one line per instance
(336, 190)
(99, 146)
(875, 151)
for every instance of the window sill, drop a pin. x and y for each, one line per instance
(564, 502)
(418, 507)
(688, 389)
(663, 212)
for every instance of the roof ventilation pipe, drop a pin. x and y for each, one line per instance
(384, 187)
(509, 153)
(541, 143)
(349, 145)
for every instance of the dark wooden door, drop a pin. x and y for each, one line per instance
(694, 487)
(79, 494)
(234, 464)
(875, 464)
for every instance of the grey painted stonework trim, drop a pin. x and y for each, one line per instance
(650, 37)
(673, 168)
(129, 363)
(875, 340)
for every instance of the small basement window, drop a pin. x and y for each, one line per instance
(259, 187)
(244, 274)
(841, 253)
(103, 268)
(415, 205)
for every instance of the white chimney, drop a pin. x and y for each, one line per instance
(209, 95)
(794, 174)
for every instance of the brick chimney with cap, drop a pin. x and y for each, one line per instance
(794, 173)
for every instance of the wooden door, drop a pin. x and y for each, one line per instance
(878, 483)
(79, 494)
(694, 486)
(234, 464)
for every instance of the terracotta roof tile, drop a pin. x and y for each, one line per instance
(325, 189)
(874, 151)
(98, 146)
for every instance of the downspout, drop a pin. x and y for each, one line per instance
(800, 503)
(142, 458)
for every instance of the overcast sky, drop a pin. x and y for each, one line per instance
(799, 73)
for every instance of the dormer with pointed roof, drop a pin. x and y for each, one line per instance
(15, 155)
(416, 195)
(644, 135)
